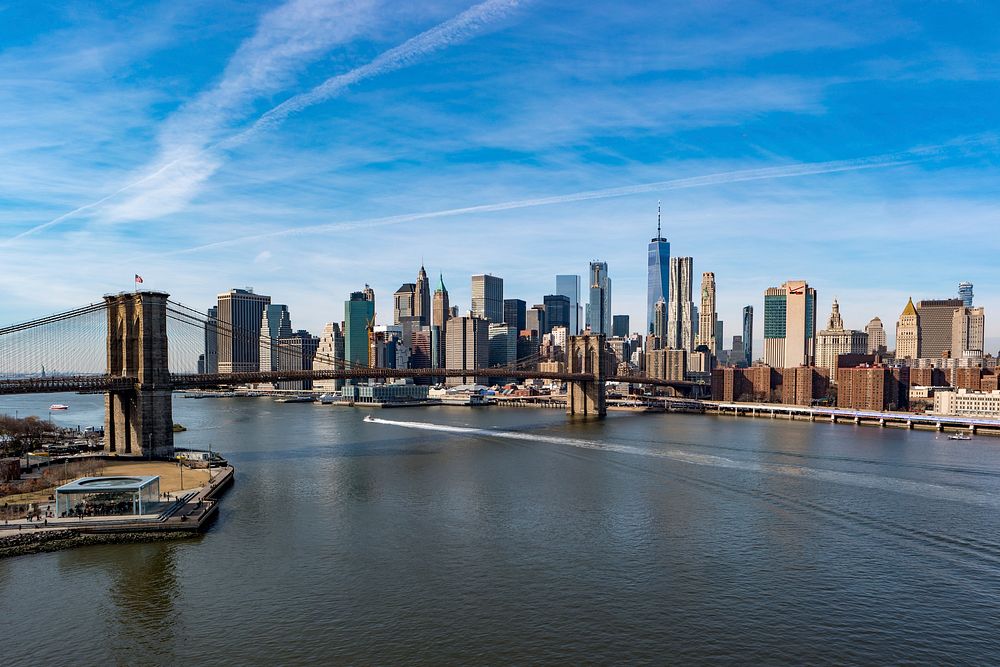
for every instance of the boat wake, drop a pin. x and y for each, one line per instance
(858, 479)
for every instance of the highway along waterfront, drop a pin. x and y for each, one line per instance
(449, 535)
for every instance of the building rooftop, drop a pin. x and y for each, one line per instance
(107, 484)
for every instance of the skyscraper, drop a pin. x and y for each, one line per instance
(748, 334)
(422, 298)
(238, 329)
(275, 323)
(212, 341)
(569, 287)
(876, 336)
(487, 297)
(935, 319)
(534, 319)
(599, 306)
(658, 272)
(359, 314)
(440, 309)
(619, 325)
(908, 333)
(329, 356)
(680, 307)
(800, 324)
(513, 313)
(707, 314)
(659, 331)
(468, 347)
(402, 302)
(556, 311)
(790, 325)
(835, 340)
(965, 293)
(440, 312)
(968, 330)
(774, 327)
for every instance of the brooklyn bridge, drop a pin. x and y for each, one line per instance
(119, 347)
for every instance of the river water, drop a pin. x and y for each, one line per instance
(451, 535)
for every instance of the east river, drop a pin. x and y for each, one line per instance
(471, 536)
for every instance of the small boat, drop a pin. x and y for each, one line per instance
(327, 399)
(959, 436)
(58, 406)
(369, 418)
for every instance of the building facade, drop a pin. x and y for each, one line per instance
(748, 334)
(422, 298)
(329, 356)
(569, 287)
(967, 403)
(790, 325)
(556, 311)
(402, 302)
(514, 311)
(620, 325)
(487, 297)
(468, 347)
(968, 330)
(876, 337)
(238, 330)
(681, 312)
(835, 340)
(211, 362)
(599, 305)
(965, 293)
(359, 315)
(908, 333)
(706, 313)
(936, 317)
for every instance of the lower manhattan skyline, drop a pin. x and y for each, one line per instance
(282, 169)
(506, 332)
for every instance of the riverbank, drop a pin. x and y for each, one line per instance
(188, 515)
(42, 541)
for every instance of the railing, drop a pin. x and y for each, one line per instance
(59, 383)
(105, 383)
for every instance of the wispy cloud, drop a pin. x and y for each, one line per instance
(174, 180)
(707, 180)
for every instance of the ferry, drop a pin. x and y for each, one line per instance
(58, 406)
(295, 399)
(959, 436)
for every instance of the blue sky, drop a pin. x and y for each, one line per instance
(306, 148)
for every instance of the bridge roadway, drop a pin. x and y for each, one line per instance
(107, 383)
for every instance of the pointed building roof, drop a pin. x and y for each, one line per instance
(441, 287)
(909, 310)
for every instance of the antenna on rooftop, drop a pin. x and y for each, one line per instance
(658, 235)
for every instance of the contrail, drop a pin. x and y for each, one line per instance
(452, 31)
(721, 178)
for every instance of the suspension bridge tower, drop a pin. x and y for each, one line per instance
(585, 354)
(139, 421)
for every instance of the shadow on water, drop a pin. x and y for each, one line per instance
(143, 621)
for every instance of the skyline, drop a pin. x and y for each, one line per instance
(868, 131)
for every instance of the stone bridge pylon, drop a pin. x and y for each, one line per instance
(139, 421)
(585, 354)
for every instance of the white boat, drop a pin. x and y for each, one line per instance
(327, 399)
(58, 406)
(959, 436)
(369, 418)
